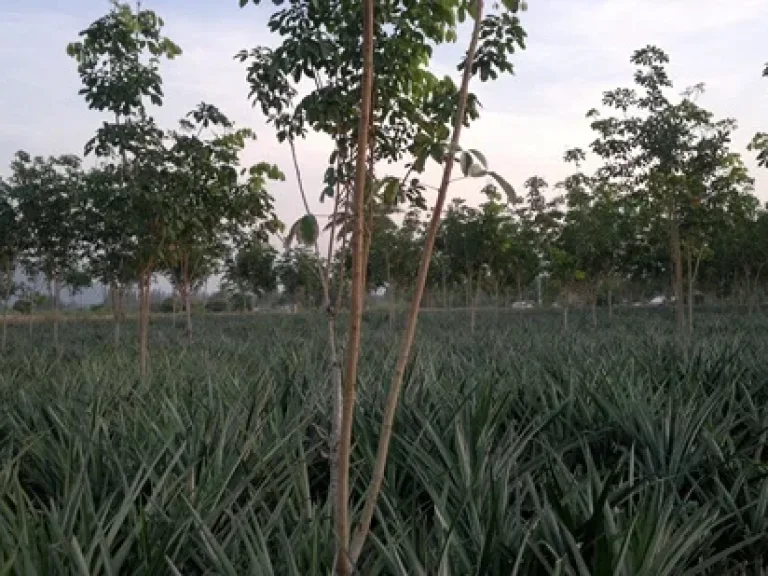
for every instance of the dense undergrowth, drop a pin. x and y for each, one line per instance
(518, 450)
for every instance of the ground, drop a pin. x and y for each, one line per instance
(621, 449)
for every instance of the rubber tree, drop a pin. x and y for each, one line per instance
(216, 203)
(48, 193)
(501, 35)
(659, 148)
(112, 247)
(11, 245)
(252, 268)
(118, 59)
(407, 112)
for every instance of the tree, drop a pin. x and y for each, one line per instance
(112, 245)
(298, 273)
(660, 149)
(11, 245)
(47, 193)
(77, 280)
(405, 111)
(212, 207)
(501, 34)
(253, 268)
(118, 61)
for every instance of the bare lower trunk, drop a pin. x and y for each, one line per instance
(116, 298)
(385, 434)
(8, 285)
(185, 282)
(56, 309)
(390, 295)
(610, 303)
(594, 308)
(144, 302)
(175, 305)
(5, 325)
(188, 311)
(677, 284)
(345, 563)
(446, 304)
(474, 302)
(690, 289)
(565, 317)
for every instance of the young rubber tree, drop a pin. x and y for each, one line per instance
(661, 148)
(48, 194)
(118, 60)
(252, 270)
(112, 244)
(212, 205)
(501, 34)
(11, 246)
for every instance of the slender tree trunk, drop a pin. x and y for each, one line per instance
(594, 307)
(690, 289)
(519, 279)
(565, 317)
(446, 304)
(144, 304)
(336, 376)
(610, 303)
(475, 301)
(385, 434)
(390, 294)
(187, 296)
(117, 317)
(344, 562)
(677, 264)
(175, 301)
(7, 299)
(56, 308)
(342, 271)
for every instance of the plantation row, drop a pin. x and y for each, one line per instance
(522, 450)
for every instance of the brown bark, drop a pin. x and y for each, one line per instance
(677, 278)
(344, 564)
(336, 380)
(187, 292)
(474, 302)
(385, 435)
(610, 303)
(56, 308)
(7, 298)
(690, 289)
(144, 303)
(594, 308)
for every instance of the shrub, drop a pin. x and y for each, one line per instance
(22, 306)
(217, 305)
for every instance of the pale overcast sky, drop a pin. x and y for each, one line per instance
(576, 50)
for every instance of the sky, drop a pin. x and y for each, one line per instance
(576, 50)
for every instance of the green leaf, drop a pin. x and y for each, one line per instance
(465, 161)
(305, 230)
(390, 190)
(476, 171)
(480, 156)
(473, 9)
(506, 186)
(512, 5)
